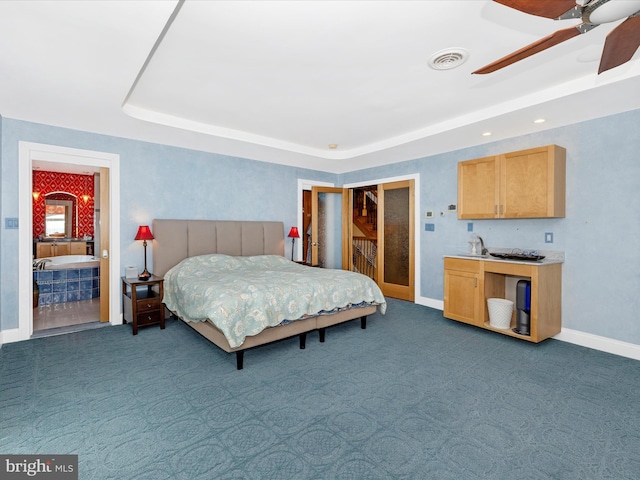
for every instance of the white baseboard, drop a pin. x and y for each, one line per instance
(10, 336)
(604, 344)
(430, 302)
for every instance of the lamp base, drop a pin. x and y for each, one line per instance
(144, 275)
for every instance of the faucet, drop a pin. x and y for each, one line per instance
(39, 265)
(483, 250)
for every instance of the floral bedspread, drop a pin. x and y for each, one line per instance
(244, 295)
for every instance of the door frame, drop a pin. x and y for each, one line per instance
(27, 153)
(417, 219)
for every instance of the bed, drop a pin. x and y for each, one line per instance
(183, 248)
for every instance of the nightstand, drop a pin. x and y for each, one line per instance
(143, 306)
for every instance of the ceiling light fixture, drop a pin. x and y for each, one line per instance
(486, 134)
(333, 146)
(539, 120)
(448, 59)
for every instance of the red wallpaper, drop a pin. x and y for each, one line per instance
(47, 182)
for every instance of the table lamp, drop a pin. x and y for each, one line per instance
(293, 234)
(144, 234)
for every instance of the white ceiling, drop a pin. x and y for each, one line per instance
(280, 81)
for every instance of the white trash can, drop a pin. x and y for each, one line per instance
(500, 310)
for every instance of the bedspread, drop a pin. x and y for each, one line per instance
(244, 295)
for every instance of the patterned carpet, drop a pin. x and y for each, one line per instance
(413, 396)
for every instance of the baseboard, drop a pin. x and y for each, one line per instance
(430, 302)
(10, 336)
(604, 344)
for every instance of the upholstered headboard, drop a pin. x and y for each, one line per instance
(175, 240)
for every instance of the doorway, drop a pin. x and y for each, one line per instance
(66, 229)
(379, 239)
(108, 166)
(384, 238)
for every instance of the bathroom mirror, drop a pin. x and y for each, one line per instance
(61, 215)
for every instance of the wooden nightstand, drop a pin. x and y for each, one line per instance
(142, 306)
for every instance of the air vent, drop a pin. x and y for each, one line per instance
(448, 59)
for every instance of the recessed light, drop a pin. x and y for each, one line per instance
(486, 134)
(333, 146)
(540, 120)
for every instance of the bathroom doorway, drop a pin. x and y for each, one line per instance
(66, 230)
(106, 232)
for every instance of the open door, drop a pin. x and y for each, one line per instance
(330, 226)
(396, 271)
(104, 247)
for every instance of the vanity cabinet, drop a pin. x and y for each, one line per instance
(78, 248)
(469, 283)
(52, 249)
(55, 249)
(524, 184)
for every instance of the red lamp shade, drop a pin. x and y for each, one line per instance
(144, 233)
(293, 233)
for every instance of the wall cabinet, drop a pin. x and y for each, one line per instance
(524, 184)
(469, 283)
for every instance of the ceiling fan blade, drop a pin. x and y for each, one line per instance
(542, 44)
(541, 8)
(620, 45)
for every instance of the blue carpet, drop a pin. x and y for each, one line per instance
(413, 396)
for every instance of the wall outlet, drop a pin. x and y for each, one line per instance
(428, 214)
(548, 237)
(10, 222)
(452, 207)
(429, 227)
(470, 227)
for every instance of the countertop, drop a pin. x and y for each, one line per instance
(62, 239)
(550, 256)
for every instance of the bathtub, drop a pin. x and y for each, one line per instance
(70, 261)
(68, 278)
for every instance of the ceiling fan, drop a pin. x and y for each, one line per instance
(620, 45)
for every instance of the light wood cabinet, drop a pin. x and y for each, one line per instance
(78, 248)
(525, 184)
(462, 290)
(52, 249)
(469, 283)
(55, 249)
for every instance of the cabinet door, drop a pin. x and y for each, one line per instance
(462, 296)
(78, 248)
(532, 183)
(61, 249)
(478, 188)
(44, 250)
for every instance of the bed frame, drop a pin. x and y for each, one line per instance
(175, 240)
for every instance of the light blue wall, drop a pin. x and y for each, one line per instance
(601, 273)
(156, 181)
(599, 234)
